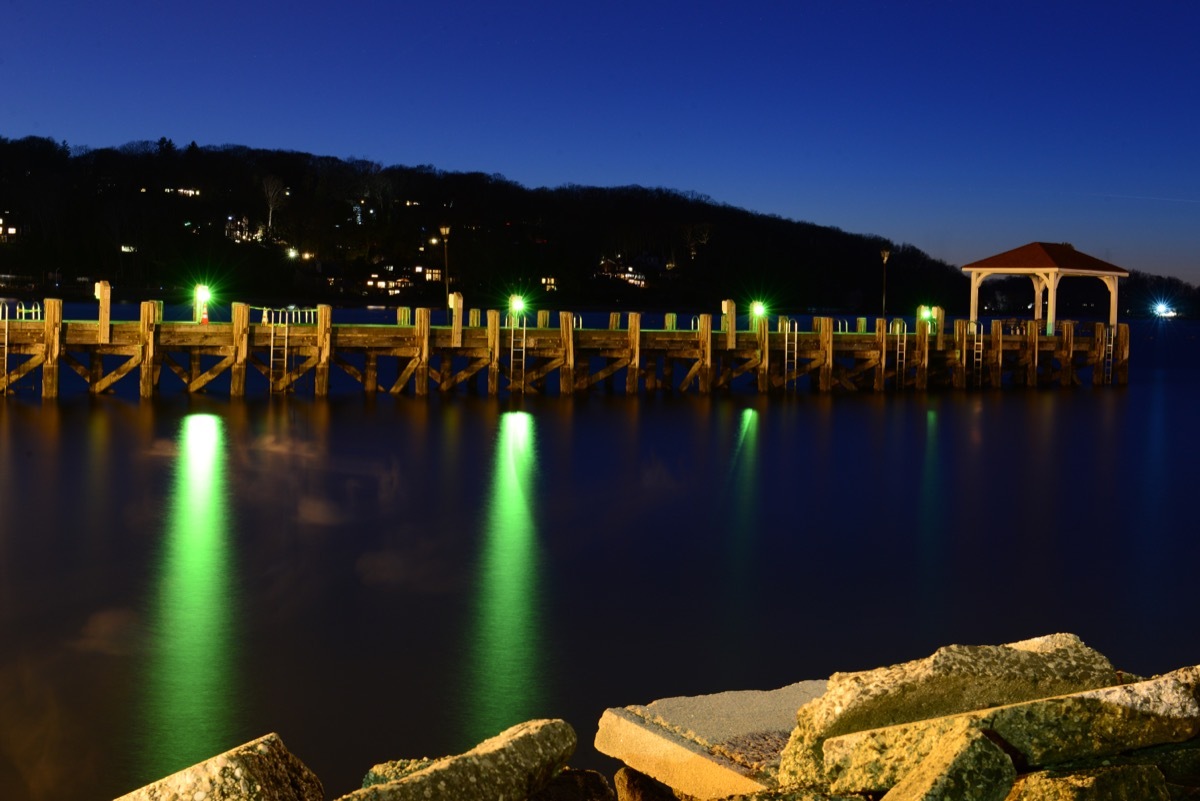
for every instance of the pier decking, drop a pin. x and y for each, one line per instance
(497, 352)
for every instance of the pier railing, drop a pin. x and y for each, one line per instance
(494, 352)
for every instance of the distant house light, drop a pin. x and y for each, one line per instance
(128, 249)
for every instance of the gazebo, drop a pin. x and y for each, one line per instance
(1045, 263)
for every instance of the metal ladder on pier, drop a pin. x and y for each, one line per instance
(1109, 342)
(278, 363)
(516, 355)
(791, 354)
(900, 329)
(974, 329)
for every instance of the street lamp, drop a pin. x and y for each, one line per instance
(884, 255)
(445, 232)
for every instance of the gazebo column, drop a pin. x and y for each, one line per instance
(976, 280)
(1110, 281)
(1039, 287)
(1052, 308)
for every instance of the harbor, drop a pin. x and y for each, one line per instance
(517, 351)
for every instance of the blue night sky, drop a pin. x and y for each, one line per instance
(964, 128)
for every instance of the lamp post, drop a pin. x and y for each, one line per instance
(883, 254)
(445, 232)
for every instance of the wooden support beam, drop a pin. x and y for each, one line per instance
(705, 342)
(1066, 353)
(566, 335)
(762, 327)
(824, 326)
(104, 320)
(729, 323)
(493, 343)
(404, 316)
(880, 377)
(543, 318)
(241, 349)
(457, 324)
(922, 355)
(1121, 354)
(614, 321)
(996, 361)
(669, 321)
(473, 318)
(52, 347)
(325, 349)
(1096, 355)
(635, 353)
(421, 385)
(961, 346)
(124, 369)
(1032, 337)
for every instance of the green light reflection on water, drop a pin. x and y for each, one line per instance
(505, 670)
(190, 687)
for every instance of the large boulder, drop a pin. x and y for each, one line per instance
(260, 770)
(1135, 782)
(954, 679)
(513, 765)
(965, 765)
(707, 746)
(1041, 733)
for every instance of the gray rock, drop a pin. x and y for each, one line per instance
(965, 766)
(634, 786)
(955, 679)
(1134, 782)
(513, 765)
(1085, 725)
(707, 746)
(260, 770)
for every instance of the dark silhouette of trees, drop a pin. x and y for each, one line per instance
(294, 226)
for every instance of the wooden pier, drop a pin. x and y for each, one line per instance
(497, 352)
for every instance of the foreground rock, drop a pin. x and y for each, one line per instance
(515, 764)
(710, 746)
(260, 770)
(1089, 725)
(957, 678)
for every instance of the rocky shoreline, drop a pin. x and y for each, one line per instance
(1046, 719)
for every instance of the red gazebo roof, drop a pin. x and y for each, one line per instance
(1043, 257)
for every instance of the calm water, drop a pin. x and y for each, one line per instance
(394, 577)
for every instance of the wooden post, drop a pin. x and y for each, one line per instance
(706, 352)
(371, 374)
(633, 372)
(147, 326)
(566, 333)
(614, 321)
(1121, 354)
(493, 338)
(669, 321)
(404, 316)
(324, 350)
(939, 319)
(421, 377)
(457, 324)
(763, 328)
(1032, 337)
(52, 345)
(996, 362)
(959, 379)
(473, 318)
(860, 325)
(543, 318)
(1096, 358)
(104, 321)
(241, 350)
(922, 354)
(729, 323)
(1066, 353)
(881, 345)
(824, 326)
